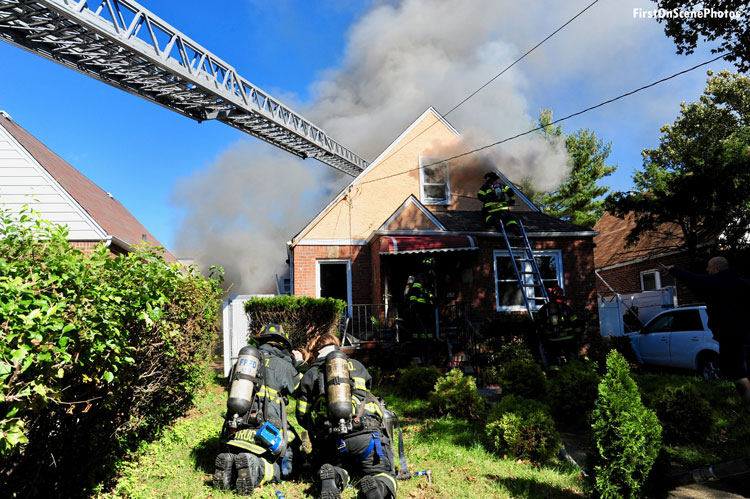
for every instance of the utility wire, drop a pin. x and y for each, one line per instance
(520, 58)
(496, 76)
(473, 151)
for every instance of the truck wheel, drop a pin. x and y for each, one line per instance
(708, 366)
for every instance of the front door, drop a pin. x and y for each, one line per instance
(333, 280)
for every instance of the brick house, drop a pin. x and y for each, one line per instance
(634, 269)
(366, 242)
(31, 174)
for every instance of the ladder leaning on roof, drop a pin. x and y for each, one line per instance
(528, 275)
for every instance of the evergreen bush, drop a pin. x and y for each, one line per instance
(626, 434)
(684, 414)
(456, 395)
(522, 428)
(525, 379)
(417, 381)
(302, 317)
(573, 391)
(96, 353)
(513, 350)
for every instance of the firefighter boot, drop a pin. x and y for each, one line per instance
(331, 482)
(224, 471)
(369, 487)
(248, 473)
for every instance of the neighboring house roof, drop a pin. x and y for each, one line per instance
(611, 242)
(108, 213)
(536, 223)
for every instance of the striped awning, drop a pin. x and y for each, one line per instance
(398, 245)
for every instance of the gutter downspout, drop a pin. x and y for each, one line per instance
(290, 257)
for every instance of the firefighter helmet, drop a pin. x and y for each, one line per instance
(556, 292)
(491, 175)
(274, 333)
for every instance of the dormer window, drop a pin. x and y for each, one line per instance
(434, 180)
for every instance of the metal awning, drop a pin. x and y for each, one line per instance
(399, 245)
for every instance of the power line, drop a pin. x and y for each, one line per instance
(496, 76)
(473, 151)
(520, 58)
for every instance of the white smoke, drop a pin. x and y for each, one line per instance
(401, 58)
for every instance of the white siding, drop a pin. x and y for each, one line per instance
(24, 181)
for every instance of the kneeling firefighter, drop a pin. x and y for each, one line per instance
(258, 442)
(351, 430)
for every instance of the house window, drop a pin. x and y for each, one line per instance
(434, 180)
(508, 290)
(652, 279)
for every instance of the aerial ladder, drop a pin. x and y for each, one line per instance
(527, 273)
(124, 45)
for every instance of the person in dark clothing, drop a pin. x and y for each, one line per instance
(419, 295)
(726, 294)
(559, 327)
(246, 461)
(365, 448)
(497, 198)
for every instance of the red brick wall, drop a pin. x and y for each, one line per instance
(87, 246)
(578, 273)
(305, 268)
(627, 278)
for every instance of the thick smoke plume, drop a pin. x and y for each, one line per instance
(401, 58)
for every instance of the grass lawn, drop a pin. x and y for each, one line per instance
(180, 463)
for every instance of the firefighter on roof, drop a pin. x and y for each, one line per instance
(419, 294)
(497, 198)
(346, 424)
(258, 442)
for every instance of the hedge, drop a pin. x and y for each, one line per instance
(302, 317)
(96, 353)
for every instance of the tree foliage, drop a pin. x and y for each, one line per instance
(699, 176)
(96, 353)
(733, 33)
(579, 199)
(627, 436)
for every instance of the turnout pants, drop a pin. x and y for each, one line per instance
(363, 454)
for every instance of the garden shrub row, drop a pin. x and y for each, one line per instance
(96, 353)
(302, 317)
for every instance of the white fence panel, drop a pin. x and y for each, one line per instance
(235, 328)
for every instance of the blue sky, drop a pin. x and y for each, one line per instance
(361, 70)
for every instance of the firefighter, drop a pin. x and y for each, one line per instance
(497, 198)
(559, 327)
(419, 294)
(345, 423)
(258, 442)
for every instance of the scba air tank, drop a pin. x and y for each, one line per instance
(243, 381)
(338, 389)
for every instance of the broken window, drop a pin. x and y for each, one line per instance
(435, 181)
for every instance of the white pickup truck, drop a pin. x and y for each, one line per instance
(678, 338)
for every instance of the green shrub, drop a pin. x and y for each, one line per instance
(522, 428)
(598, 348)
(456, 395)
(573, 391)
(684, 414)
(302, 317)
(627, 436)
(96, 353)
(513, 350)
(490, 375)
(416, 381)
(525, 379)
